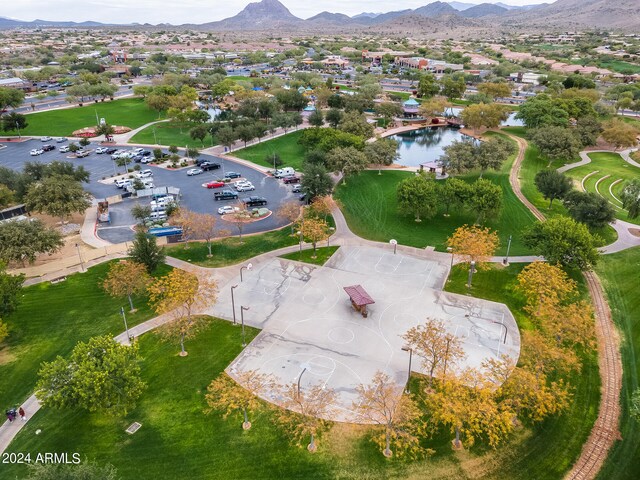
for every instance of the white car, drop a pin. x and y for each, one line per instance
(124, 182)
(144, 174)
(101, 150)
(64, 149)
(61, 140)
(194, 171)
(244, 186)
(138, 150)
(227, 209)
(162, 201)
(36, 151)
(46, 139)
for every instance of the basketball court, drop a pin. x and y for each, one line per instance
(309, 327)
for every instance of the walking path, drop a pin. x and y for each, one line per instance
(605, 430)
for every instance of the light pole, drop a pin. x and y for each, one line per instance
(300, 233)
(472, 269)
(80, 257)
(506, 258)
(248, 267)
(242, 309)
(233, 304)
(410, 350)
(395, 245)
(18, 127)
(299, 378)
(331, 230)
(126, 328)
(450, 250)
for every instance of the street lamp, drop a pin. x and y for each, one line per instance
(242, 309)
(233, 304)
(506, 258)
(126, 328)
(450, 250)
(300, 233)
(395, 245)
(299, 378)
(331, 230)
(248, 267)
(410, 350)
(472, 270)
(18, 127)
(80, 257)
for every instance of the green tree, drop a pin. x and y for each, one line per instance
(10, 290)
(388, 110)
(589, 208)
(347, 161)
(428, 86)
(418, 195)
(492, 153)
(356, 124)
(58, 196)
(542, 110)
(227, 137)
(384, 151)
(459, 156)
(6, 196)
(245, 133)
(553, 184)
(556, 143)
(10, 97)
(199, 132)
(563, 240)
(316, 119)
(483, 115)
(453, 86)
(578, 81)
(13, 121)
(453, 193)
(158, 102)
(23, 241)
(316, 181)
(334, 116)
(588, 129)
(495, 90)
(145, 250)
(485, 199)
(631, 198)
(101, 375)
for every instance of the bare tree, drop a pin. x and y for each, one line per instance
(239, 217)
(290, 211)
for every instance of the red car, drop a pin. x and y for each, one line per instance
(291, 179)
(215, 184)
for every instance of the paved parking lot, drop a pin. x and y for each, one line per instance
(193, 195)
(311, 333)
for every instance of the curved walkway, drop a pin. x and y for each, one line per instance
(605, 430)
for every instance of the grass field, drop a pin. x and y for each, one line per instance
(322, 255)
(51, 319)
(620, 66)
(606, 175)
(177, 440)
(287, 146)
(531, 165)
(619, 276)
(128, 112)
(171, 133)
(371, 210)
(231, 250)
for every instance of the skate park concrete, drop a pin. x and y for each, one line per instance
(308, 324)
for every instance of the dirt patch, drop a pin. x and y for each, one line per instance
(6, 356)
(635, 232)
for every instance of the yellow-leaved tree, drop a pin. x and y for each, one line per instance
(542, 283)
(126, 277)
(314, 230)
(180, 294)
(474, 243)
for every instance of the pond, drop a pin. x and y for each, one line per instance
(425, 145)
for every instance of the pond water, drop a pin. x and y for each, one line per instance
(425, 145)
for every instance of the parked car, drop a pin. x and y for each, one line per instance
(110, 150)
(144, 174)
(137, 158)
(206, 166)
(101, 150)
(146, 160)
(36, 151)
(215, 184)
(232, 175)
(123, 182)
(303, 197)
(297, 188)
(227, 209)
(46, 139)
(244, 186)
(194, 171)
(162, 201)
(64, 149)
(138, 150)
(48, 147)
(283, 172)
(160, 215)
(146, 153)
(254, 201)
(82, 153)
(292, 179)
(225, 195)
(61, 140)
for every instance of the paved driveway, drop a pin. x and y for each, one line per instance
(194, 196)
(309, 325)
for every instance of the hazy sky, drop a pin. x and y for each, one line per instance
(191, 11)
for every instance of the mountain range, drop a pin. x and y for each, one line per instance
(271, 15)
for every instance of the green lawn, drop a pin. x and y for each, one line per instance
(531, 165)
(231, 250)
(171, 133)
(620, 66)
(371, 210)
(619, 276)
(51, 319)
(322, 255)
(129, 112)
(287, 146)
(606, 163)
